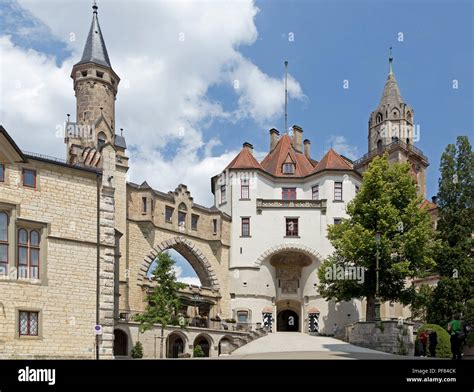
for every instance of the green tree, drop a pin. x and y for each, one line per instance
(455, 227)
(163, 300)
(387, 203)
(421, 302)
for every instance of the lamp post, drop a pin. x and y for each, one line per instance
(377, 297)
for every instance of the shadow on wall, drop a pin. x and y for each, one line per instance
(339, 314)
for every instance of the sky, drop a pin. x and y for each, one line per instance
(199, 78)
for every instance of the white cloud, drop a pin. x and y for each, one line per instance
(341, 146)
(185, 279)
(162, 97)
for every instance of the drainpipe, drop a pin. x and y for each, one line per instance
(98, 267)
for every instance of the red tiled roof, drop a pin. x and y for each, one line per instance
(428, 205)
(244, 160)
(285, 152)
(332, 161)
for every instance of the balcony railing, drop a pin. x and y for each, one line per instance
(279, 203)
(396, 143)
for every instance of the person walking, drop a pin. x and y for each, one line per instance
(433, 342)
(423, 339)
(456, 330)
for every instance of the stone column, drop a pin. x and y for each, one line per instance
(107, 254)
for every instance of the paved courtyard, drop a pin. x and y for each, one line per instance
(295, 345)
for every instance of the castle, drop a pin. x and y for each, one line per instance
(77, 240)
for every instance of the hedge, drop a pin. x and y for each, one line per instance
(443, 349)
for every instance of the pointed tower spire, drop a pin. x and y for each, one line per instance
(95, 50)
(391, 92)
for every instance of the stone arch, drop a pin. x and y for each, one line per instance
(288, 247)
(171, 339)
(206, 342)
(193, 255)
(224, 345)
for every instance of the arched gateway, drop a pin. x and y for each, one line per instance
(191, 253)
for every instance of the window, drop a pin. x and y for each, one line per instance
(2, 173)
(242, 316)
(28, 323)
(214, 226)
(3, 243)
(101, 139)
(29, 178)
(338, 191)
(379, 118)
(194, 221)
(144, 203)
(337, 221)
(168, 213)
(99, 74)
(315, 192)
(357, 189)
(244, 189)
(379, 145)
(223, 194)
(292, 227)
(288, 168)
(245, 227)
(181, 219)
(28, 253)
(288, 193)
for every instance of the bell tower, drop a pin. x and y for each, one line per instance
(392, 130)
(95, 86)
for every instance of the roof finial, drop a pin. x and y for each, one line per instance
(95, 7)
(390, 60)
(286, 96)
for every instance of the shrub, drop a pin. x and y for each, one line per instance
(443, 349)
(470, 339)
(137, 350)
(469, 312)
(198, 351)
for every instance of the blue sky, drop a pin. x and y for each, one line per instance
(182, 116)
(333, 41)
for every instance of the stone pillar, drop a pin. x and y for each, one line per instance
(107, 254)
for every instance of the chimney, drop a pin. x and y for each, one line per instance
(307, 148)
(434, 199)
(248, 147)
(274, 136)
(298, 138)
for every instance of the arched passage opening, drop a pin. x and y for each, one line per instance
(224, 346)
(288, 316)
(120, 343)
(205, 343)
(176, 344)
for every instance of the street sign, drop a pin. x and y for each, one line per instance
(98, 329)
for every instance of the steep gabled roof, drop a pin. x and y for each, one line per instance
(428, 205)
(95, 50)
(244, 160)
(285, 152)
(332, 161)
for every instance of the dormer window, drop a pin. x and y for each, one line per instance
(288, 168)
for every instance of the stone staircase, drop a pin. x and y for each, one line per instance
(239, 341)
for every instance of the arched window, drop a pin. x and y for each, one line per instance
(182, 216)
(379, 118)
(409, 117)
(101, 139)
(379, 144)
(28, 253)
(3, 243)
